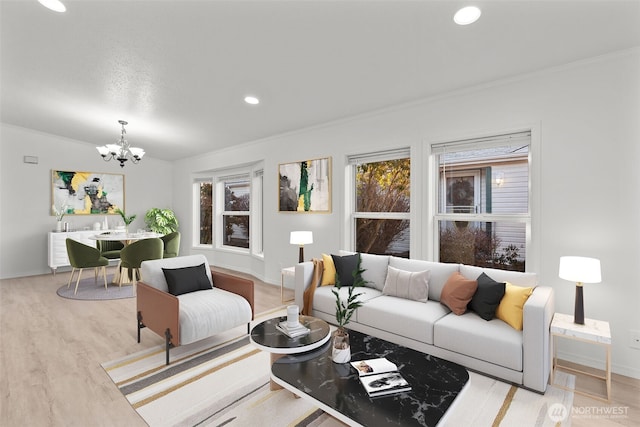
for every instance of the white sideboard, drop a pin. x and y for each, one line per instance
(58, 246)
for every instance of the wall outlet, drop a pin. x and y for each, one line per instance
(634, 339)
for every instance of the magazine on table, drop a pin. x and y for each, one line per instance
(292, 332)
(380, 377)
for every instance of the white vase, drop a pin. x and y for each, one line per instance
(58, 226)
(341, 349)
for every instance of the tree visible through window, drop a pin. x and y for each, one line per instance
(382, 207)
(206, 213)
(235, 218)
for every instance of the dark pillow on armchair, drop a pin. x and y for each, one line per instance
(487, 297)
(187, 279)
(345, 265)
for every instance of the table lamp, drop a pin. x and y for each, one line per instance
(301, 238)
(580, 270)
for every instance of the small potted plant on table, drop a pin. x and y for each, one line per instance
(341, 350)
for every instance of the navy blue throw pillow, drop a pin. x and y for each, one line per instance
(187, 279)
(487, 297)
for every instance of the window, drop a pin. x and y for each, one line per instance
(236, 213)
(483, 216)
(257, 235)
(205, 213)
(380, 218)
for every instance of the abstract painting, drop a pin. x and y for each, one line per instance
(87, 193)
(305, 186)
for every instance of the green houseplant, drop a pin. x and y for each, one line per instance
(127, 219)
(161, 221)
(341, 351)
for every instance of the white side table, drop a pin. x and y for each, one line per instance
(594, 332)
(286, 272)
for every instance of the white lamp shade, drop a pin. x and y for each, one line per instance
(301, 237)
(580, 269)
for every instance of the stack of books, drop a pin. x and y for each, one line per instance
(380, 377)
(292, 332)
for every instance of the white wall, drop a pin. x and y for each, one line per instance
(586, 118)
(25, 199)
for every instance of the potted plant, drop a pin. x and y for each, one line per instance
(161, 221)
(341, 350)
(59, 213)
(127, 219)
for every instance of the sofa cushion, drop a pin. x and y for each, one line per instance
(515, 277)
(151, 271)
(492, 341)
(325, 301)
(402, 317)
(187, 279)
(511, 305)
(487, 297)
(206, 313)
(345, 266)
(374, 266)
(328, 271)
(457, 292)
(440, 272)
(407, 284)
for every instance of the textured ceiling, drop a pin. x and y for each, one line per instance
(178, 70)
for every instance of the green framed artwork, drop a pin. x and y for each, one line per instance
(86, 193)
(305, 186)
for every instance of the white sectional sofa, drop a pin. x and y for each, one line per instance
(491, 347)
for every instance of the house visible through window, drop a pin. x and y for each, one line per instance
(483, 201)
(382, 202)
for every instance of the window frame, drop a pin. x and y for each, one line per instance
(352, 215)
(197, 209)
(530, 218)
(254, 176)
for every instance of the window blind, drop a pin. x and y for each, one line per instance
(379, 156)
(523, 138)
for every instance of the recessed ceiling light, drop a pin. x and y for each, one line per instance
(251, 100)
(55, 5)
(467, 15)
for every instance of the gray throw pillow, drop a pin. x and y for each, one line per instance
(407, 284)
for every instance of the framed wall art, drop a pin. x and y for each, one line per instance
(87, 193)
(305, 186)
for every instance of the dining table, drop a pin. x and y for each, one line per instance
(126, 238)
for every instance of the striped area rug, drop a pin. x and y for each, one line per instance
(224, 381)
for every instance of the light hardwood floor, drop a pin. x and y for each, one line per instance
(52, 347)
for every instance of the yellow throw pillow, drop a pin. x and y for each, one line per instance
(511, 305)
(329, 272)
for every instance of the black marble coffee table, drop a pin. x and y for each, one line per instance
(337, 390)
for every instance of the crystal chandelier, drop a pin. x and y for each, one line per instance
(121, 151)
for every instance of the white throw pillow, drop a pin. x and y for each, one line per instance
(412, 285)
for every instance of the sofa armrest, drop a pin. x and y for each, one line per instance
(536, 339)
(236, 285)
(304, 274)
(159, 311)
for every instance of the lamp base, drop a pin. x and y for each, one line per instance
(578, 311)
(301, 254)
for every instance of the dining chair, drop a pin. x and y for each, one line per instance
(171, 244)
(132, 255)
(82, 256)
(110, 249)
